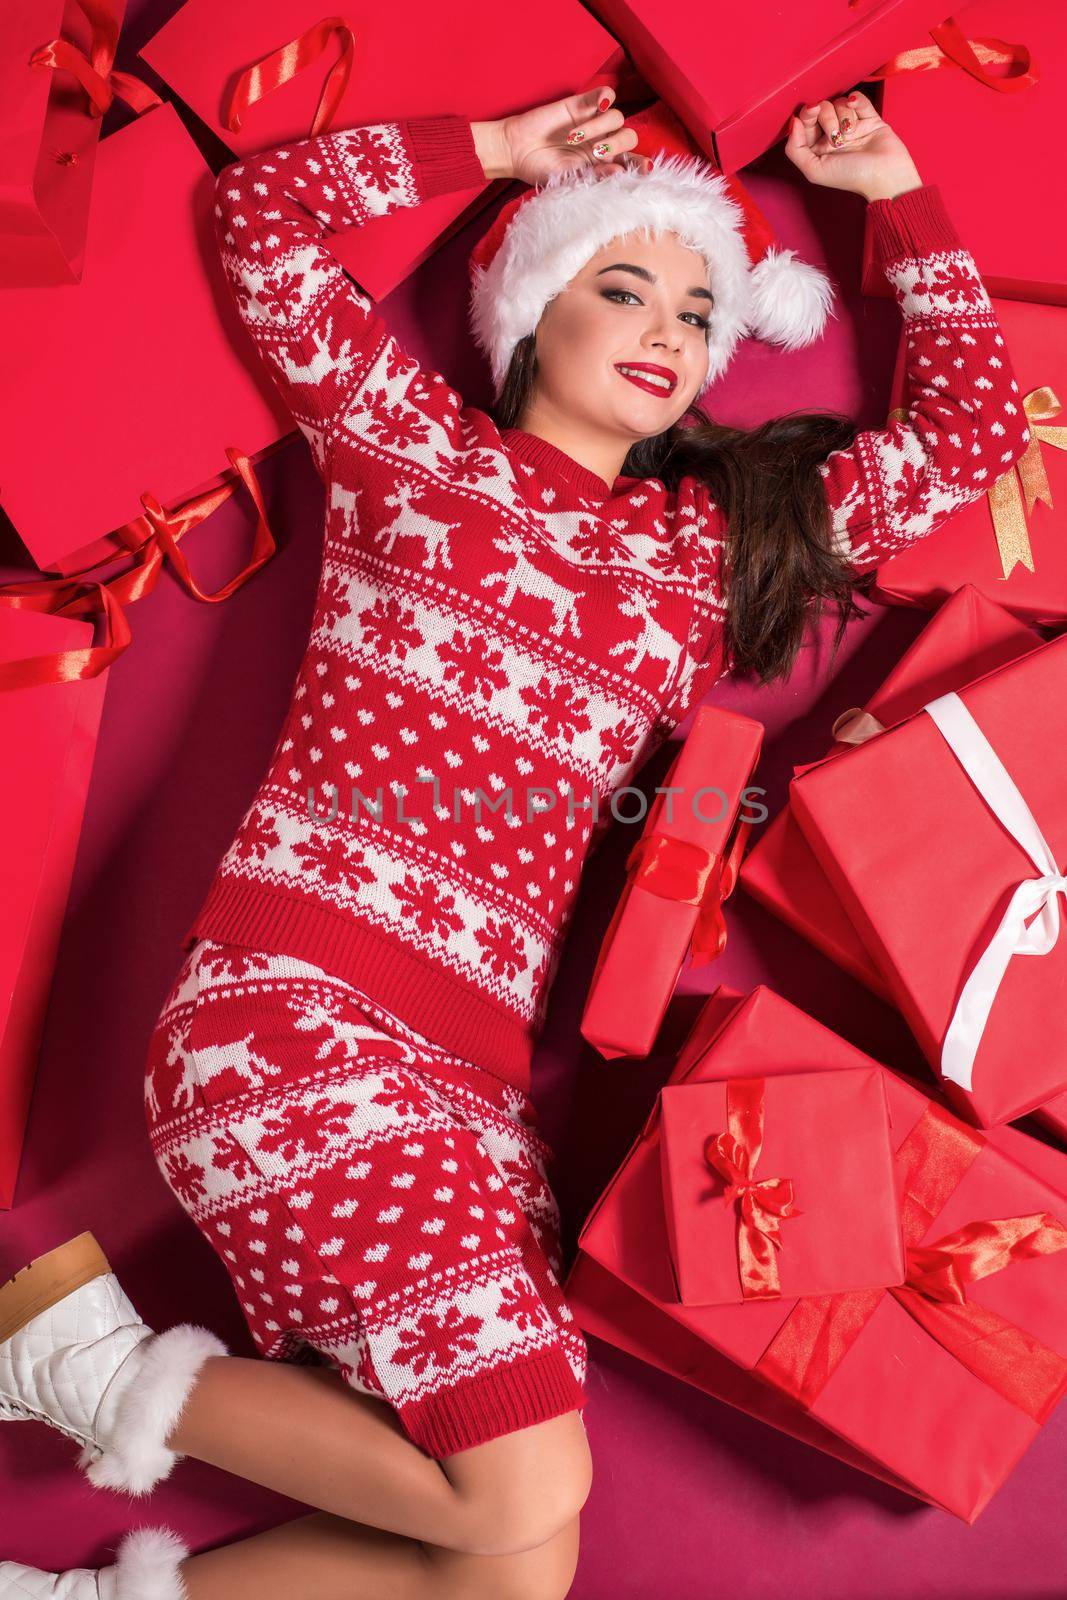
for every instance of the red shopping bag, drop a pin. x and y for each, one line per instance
(262, 73)
(57, 79)
(140, 369)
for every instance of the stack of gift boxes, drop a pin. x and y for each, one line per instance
(923, 1341)
(804, 1234)
(874, 1265)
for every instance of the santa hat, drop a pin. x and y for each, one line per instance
(543, 238)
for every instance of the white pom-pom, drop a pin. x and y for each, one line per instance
(791, 300)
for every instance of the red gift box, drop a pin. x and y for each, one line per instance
(679, 872)
(937, 1385)
(1009, 542)
(1053, 1114)
(142, 372)
(1000, 89)
(967, 637)
(48, 733)
(737, 96)
(943, 838)
(791, 1156)
(56, 81)
(1044, 1159)
(415, 62)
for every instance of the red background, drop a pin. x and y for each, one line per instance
(690, 1497)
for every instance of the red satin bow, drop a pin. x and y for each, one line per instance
(270, 72)
(691, 874)
(765, 1202)
(96, 71)
(820, 1331)
(81, 594)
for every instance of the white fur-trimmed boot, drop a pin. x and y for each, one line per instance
(75, 1354)
(146, 1568)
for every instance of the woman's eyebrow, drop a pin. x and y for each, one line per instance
(650, 277)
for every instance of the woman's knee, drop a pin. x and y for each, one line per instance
(544, 1573)
(522, 1490)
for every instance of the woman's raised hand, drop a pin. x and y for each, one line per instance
(844, 144)
(572, 132)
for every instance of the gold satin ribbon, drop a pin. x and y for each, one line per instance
(1010, 509)
(856, 726)
(1014, 494)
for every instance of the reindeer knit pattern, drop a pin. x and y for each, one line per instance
(380, 1205)
(500, 640)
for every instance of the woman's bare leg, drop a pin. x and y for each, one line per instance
(327, 1558)
(304, 1432)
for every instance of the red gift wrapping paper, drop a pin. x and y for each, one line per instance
(966, 637)
(901, 1388)
(678, 873)
(780, 1186)
(1009, 543)
(931, 876)
(230, 66)
(1008, 106)
(1046, 1160)
(737, 98)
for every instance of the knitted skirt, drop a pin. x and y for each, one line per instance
(380, 1205)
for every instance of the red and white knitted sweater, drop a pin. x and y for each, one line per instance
(495, 626)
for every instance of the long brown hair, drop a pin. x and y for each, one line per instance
(782, 571)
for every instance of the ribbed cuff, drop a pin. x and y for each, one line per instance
(913, 224)
(420, 992)
(517, 1395)
(443, 154)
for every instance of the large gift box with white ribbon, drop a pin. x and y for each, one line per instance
(966, 637)
(945, 839)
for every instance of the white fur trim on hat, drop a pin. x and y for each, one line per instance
(576, 213)
(135, 1456)
(791, 299)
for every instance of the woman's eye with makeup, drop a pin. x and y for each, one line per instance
(701, 322)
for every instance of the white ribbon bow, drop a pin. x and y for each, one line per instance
(1014, 937)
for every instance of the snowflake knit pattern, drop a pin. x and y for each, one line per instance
(501, 639)
(376, 1201)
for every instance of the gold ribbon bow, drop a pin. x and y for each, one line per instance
(1005, 501)
(1008, 505)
